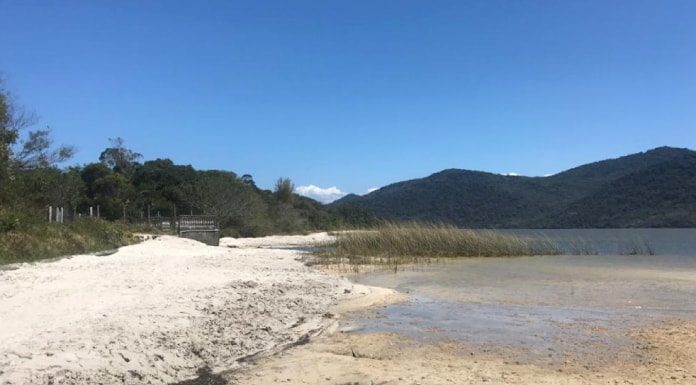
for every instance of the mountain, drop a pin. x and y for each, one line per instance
(656, 188)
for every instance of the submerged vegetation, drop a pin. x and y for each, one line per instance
(407, 242)
(638, 247)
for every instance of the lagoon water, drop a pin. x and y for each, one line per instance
(618, 241)
(550, 306)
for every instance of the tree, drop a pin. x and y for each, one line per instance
(37, 153)
(248, 180)
(222, 194)
(161, 184)
(92, 173)
(48, 186)
(112, 193)
(13, 119)
(34, 153)
(284, 189)
(8, 135)
(119, 158)
(73, 188)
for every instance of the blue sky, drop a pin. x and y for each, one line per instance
(357, 94)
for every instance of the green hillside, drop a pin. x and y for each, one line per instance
(649, 189)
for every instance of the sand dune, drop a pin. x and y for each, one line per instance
(160, 311)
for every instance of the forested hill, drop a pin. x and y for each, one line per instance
(656, 188)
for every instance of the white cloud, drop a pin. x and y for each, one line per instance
(324, 195)
(545, 175)
(372, 189)
(511, 174)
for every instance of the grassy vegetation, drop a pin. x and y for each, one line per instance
(391, 242)
(40, 240)
(638, 247)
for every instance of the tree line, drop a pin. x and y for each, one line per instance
(126, 188)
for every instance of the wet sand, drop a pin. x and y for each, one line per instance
(662, 355)
(536, 320)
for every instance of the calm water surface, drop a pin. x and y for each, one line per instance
(549, 305)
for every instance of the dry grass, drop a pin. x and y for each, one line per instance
(411, 242)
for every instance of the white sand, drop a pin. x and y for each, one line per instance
(278, 241)
(159, 311)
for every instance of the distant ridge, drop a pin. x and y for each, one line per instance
(656, 188)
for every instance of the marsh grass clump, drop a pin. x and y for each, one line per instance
(637, 247)
(413, 242)
(579, 246)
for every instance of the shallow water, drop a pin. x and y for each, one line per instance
(617, 241)
(548, 305)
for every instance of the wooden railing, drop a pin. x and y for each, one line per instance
(196, 222)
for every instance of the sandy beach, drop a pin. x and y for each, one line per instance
(162, 311)
(174, 311)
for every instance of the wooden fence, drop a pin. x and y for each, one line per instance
(58, 214)
(196, 222)
(203, 228)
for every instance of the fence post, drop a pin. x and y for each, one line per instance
(50, 214)
(98, 213)
(91, 211)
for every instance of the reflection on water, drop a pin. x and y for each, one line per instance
(539, 329)
(618, 241)
(549, 303)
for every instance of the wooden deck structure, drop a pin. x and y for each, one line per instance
(203, 228)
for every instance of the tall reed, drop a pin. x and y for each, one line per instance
(418, 240)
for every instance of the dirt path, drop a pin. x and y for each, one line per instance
(158, 312)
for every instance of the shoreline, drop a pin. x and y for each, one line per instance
(166, 310)
(666, 357)
(174, 311)
(656, 350)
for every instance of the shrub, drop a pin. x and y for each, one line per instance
(40, 240)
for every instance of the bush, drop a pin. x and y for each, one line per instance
(40, 240)
(8, 221)
(16, 219)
